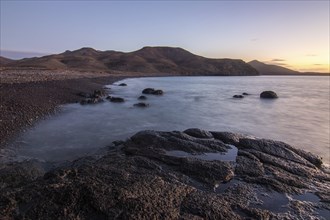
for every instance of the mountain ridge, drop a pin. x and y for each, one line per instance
(271, 69)
(172, 60)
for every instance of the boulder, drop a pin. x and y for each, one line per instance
(244, 93)
(158, 92)
(141, 104)
(148, 91)
(142, 97)
(98, 93)
(115, 99)
(268, 95)
(238, 96)
(152, 91)
(91, 101)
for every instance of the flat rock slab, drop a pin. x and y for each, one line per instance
(138, 179)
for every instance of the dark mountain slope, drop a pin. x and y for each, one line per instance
(146, 60)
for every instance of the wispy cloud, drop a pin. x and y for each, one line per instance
(311, 55)
(254, 39)
(278, 60)
(20, 54)
(317, 64)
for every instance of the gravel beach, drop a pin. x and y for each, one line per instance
(29, 95)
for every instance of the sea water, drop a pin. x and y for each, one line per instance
(300, 116)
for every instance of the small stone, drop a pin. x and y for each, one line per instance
(115, 99)
(238, 96)
(141, 104)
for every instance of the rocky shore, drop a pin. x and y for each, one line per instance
(193, 174)
(172, 175)
(29, 95)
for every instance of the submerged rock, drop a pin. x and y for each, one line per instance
(91, 101)
(138, 178)
(142, 97)
(238, 96)
(268, 95)
(122, 84)
(152, 91)
(115, 99)
(141, 104)
(244, 93)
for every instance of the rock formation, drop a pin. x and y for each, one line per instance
(161, 175)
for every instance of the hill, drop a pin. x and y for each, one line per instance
(146, 60)
(266, 69)
(5, 61)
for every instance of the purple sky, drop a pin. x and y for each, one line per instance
(290, 33)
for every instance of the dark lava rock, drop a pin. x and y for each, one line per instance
(244, 93)
(115, 99)
(91, 101)
(152, 91)
(95, 97)
(148, 91)
(122, 84)
(198, 133)
(98, 93)
(145, 177)
(238, 96)
(142, 97)
(268, 95)
(141, 104)
(158, 92)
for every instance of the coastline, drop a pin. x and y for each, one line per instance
(24, 103)
(147, 175)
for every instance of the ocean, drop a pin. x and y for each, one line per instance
(299, 117)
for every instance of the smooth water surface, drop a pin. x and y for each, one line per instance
(300, 116)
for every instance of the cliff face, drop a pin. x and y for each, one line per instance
(146, 60)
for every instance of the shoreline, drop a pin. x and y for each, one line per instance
(23, 104)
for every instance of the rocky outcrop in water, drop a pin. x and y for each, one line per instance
(238, 96)
(92, 98)
(160, 175)
(152, 91)
(268, 95)
(141, 104)
(142, 97)
(115, 99)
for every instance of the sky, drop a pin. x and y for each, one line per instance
(294, 34)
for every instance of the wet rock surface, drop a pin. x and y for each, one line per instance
(238, 96)
(142, 97)
(152, 91)
(268, 95)
(141, 104)
(137, 179)
(115, 99)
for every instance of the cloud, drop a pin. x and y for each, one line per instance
(311, 55)
(20, 54)
(278, 60)
(317, 64)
